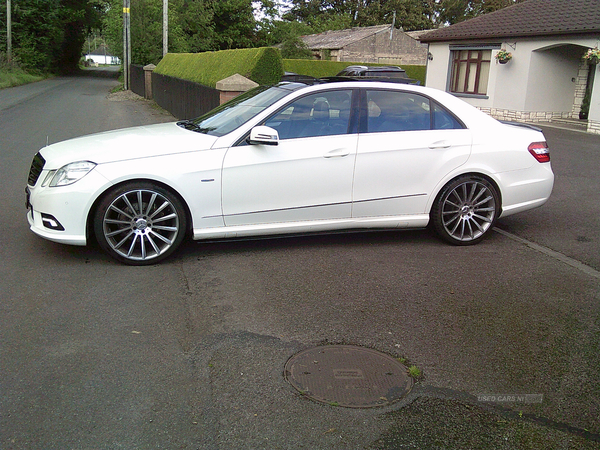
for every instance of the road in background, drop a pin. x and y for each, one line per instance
(190, 353)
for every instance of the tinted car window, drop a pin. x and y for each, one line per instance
(229, 116)
(444, 120)
(397, 111)
(320, 114)
(405, 111)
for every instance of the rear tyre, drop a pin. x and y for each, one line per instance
(140, 223)
(466, 210)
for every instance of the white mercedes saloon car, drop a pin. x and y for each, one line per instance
(291, 158)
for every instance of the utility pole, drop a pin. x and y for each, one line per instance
(8, 34)
(126, 42)
(165, 27)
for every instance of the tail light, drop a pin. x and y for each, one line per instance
(540, 151)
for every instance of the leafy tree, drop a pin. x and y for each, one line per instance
(322, 14)
(410, 14)
(271, 31)
(47, 35)
(194, 19)
(294, 48)
(77, 18)
(234, 23)
(454, 11)
(194, 26)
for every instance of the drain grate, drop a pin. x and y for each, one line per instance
(345, 375)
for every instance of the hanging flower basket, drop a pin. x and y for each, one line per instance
(592, 56)
(503, 56)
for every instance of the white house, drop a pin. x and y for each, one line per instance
(102, 56)
(547, 77)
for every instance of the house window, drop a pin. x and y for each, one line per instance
(470, 71)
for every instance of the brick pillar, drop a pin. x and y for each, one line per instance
(148, 80)
(233, 86)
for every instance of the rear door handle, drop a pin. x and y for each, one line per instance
(440, 144)
(338, 153)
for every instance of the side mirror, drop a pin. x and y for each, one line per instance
(262, 135)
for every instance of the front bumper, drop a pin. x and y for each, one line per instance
(60, 214)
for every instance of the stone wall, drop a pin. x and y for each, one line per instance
(593, 127)
(580, 86)
(380, 49)
(525, 116)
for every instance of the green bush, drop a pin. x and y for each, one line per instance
(261, 65)
(12, 75)
(318, 69)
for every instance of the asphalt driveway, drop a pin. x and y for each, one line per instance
(190, 353)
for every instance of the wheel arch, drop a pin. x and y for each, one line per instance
(90, 216)
(440, 187)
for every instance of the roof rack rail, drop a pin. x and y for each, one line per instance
(368, 78)
(306, 79)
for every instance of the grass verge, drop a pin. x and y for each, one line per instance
(16, 77)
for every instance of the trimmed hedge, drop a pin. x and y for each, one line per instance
(261, 65)
(320, 69)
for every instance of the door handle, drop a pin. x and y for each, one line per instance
(338, 153)
(440, 144)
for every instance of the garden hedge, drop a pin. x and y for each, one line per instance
(261, 65)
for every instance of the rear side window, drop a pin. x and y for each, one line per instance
(444, 120)
(405, 111)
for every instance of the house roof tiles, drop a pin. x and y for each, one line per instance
(528, 19)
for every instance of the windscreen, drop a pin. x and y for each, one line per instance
(236, 112)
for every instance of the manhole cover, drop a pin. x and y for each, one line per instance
(344, 375)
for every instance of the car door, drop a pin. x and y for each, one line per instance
(306, 177)
(407, 143)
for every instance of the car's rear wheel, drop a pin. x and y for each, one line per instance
(466, 210)
(140, 223)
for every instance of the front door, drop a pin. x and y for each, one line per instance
(307, 177)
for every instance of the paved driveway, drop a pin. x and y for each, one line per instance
(190, 353)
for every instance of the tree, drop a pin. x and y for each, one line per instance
(337, 14)
(48, 35)
(194, 26)
(234, 23)
(78, 18)
(411, 15)
(454, 11)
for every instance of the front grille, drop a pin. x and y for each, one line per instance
(37, 165)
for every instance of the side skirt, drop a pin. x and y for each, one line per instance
(313, 226)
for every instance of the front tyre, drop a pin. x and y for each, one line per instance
(466, 210)
(140, 223)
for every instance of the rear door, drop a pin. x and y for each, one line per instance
(407, 144)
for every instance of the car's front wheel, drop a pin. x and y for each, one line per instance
(140, 223)
(466, 210)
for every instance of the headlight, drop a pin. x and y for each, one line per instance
(71, 173)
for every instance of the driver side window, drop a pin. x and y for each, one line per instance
(321, 114)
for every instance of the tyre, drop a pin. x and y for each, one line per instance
(465, 210)
(140, 223)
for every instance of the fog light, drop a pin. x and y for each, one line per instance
(51, 222)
